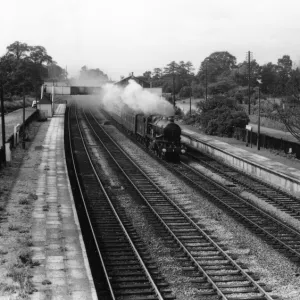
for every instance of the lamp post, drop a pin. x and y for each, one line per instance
(258, 123)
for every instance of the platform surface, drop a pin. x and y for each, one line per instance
(58, 246)
(263, 157)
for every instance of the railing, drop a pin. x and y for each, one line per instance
(11, 139)
(268, 142)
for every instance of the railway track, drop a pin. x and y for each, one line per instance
(218, 272)
(270, 194)
(128, 271)
(280, 235)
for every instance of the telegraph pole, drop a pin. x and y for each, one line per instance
(258, 127)
(173, 89)
(249, 72)
(206, 81)
(3, 124)
(191, 99)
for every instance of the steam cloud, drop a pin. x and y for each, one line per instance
(137, 98)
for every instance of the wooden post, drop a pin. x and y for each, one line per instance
(23, 139)
(3, 124)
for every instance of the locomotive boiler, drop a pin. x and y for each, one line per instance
(164, 137)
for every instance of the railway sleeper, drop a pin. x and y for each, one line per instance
(209, 249)
(206, 292)
(216, 267)
(207, 256)
(123, 264)
(119, 291)
(247, 297)
(131, 273)
(229, 278)
(240, 290)
(234, 284)
(212, 260)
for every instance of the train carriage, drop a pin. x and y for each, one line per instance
(116, 113)
(141, 126)
(128, 119)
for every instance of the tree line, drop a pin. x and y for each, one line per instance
(90, 77)
(25, 68)
(219, 73)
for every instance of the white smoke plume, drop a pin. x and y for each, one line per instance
(137, 98)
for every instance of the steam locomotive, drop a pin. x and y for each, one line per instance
(159, 133)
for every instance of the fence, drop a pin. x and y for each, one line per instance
(267, 142)
(10, 140)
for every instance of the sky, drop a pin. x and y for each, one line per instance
(124, 36)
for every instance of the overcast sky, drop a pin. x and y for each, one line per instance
(122, 36)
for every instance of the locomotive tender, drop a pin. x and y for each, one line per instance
(159, 133)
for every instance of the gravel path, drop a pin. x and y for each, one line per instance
(17, 195)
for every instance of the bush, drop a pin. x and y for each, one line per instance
(178, 113)
(239, 97)
(185, 92)
(191, 118)
(220, 115)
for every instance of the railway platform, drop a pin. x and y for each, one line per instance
(63, 271)
(264, 164)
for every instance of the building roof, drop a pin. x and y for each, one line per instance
(56, 83)
(141, 82)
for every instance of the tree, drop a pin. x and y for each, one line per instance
(56, 73)
(147, 75)
(269, 78)
(290, 117)
(7, 65)
(189, 67)
(92, 76)
(39, 55)
(171, 70)
(19, 50)
(284, 68)
(157, 73)
(293, 84)
(220, 115)
(185, 73)
(24, 66)
(216, 64)
(223, 85)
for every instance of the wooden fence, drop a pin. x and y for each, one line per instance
(10, 139)
(268, 142)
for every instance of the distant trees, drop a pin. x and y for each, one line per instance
(56, 73)
(227, 84)
(25, 66)
(224, 76)
(92, 76)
